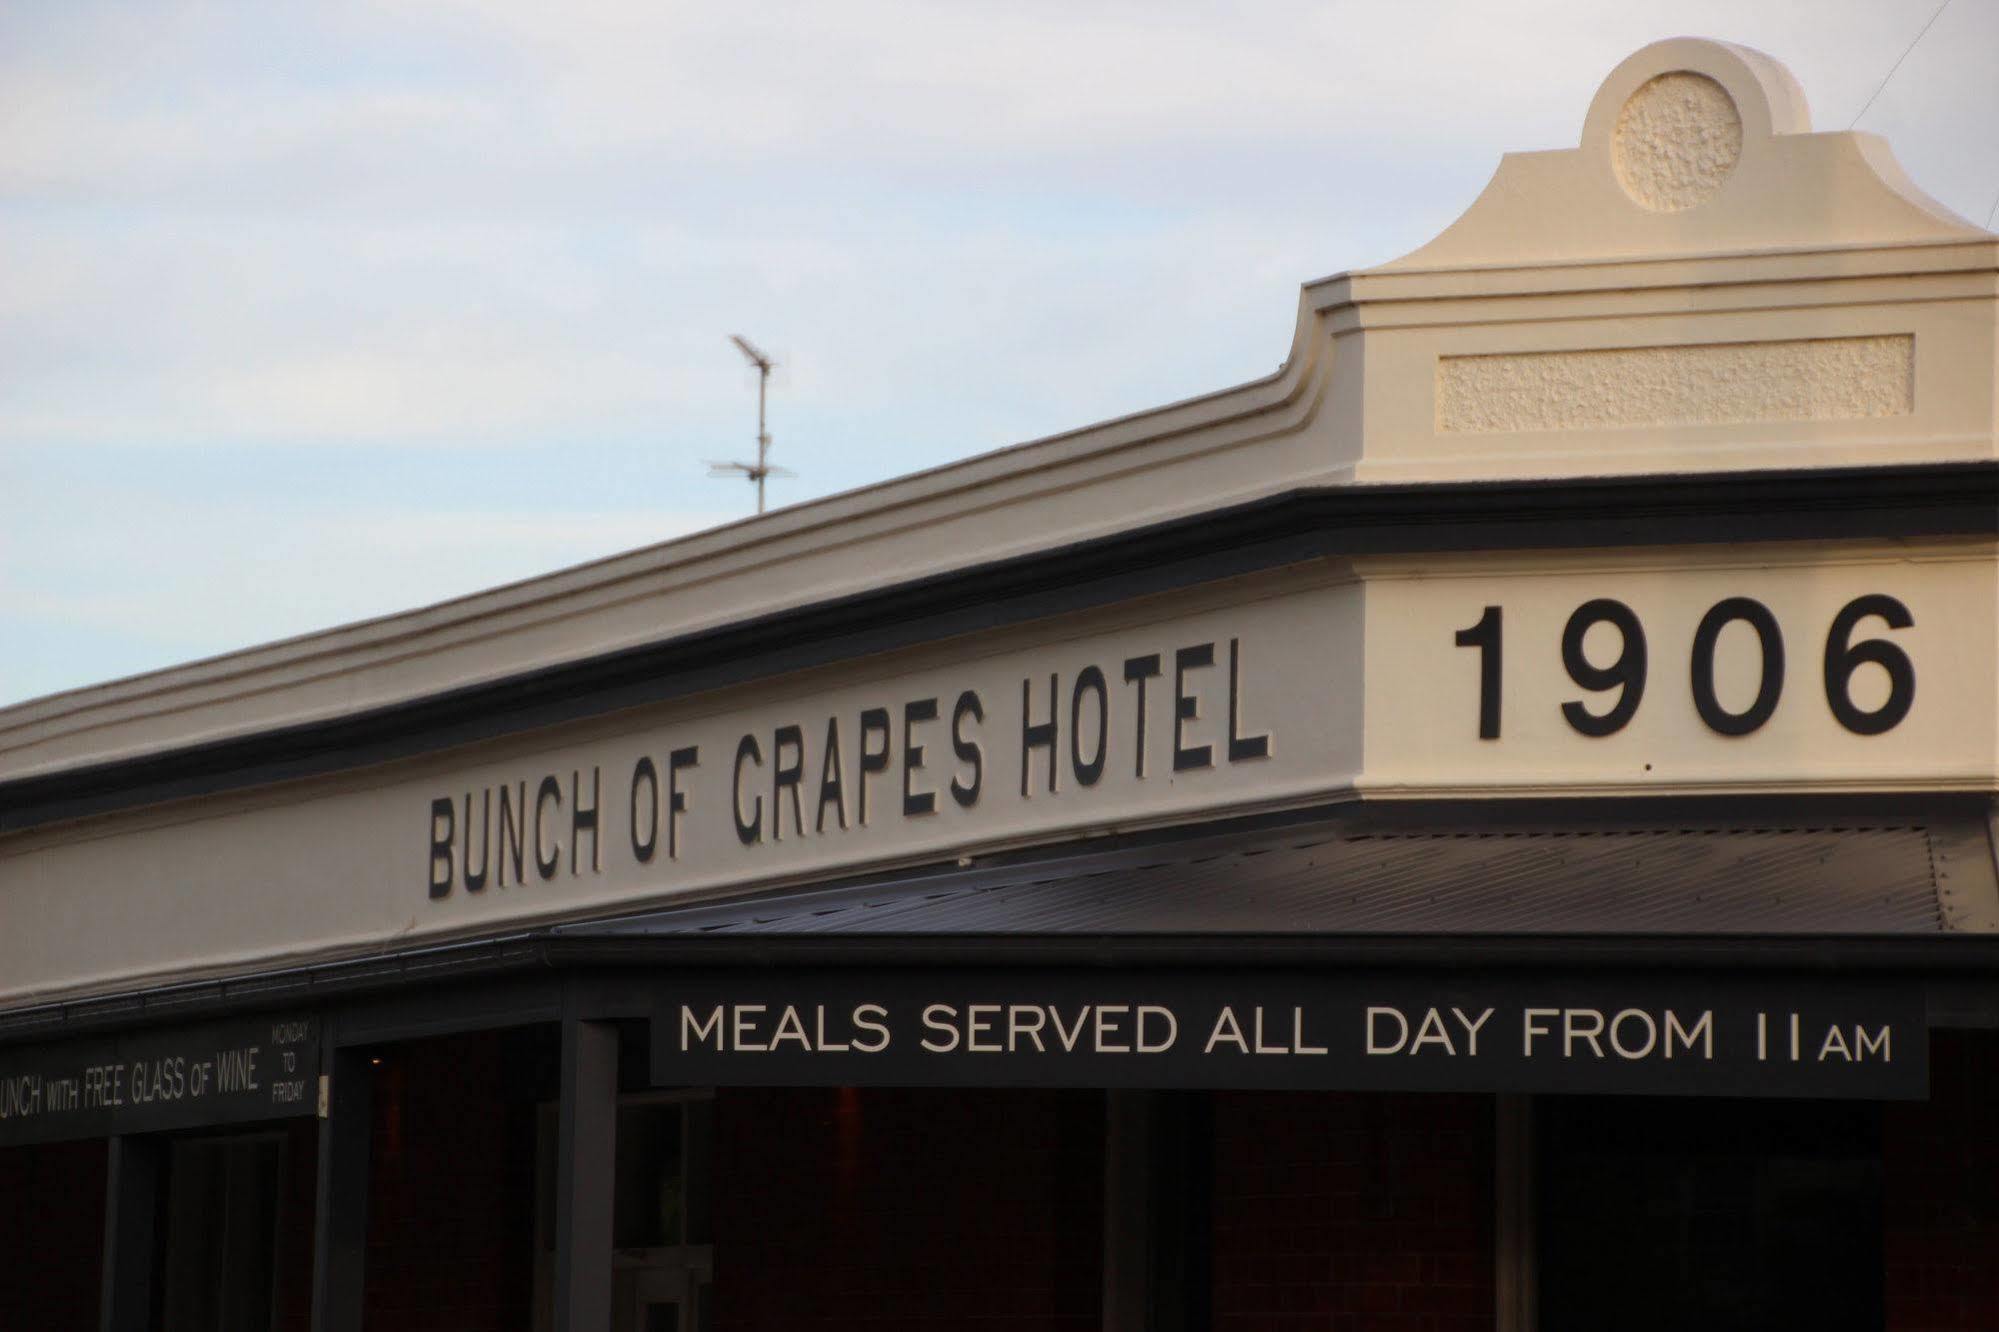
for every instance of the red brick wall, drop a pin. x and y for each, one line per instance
(451, 1189)
(51, 1235)
(1940, 1164)
(844, 1209)
(1341, 1211)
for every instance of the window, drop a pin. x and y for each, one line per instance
(663, 1260)
(1721, 1215)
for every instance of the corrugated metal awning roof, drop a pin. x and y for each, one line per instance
(1318, 880)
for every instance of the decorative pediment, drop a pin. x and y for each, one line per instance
(1703, 284)
(1692, 147)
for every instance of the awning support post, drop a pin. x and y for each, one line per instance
(340, 1213)
(1513, 1257)
(1157, 1162)
(586, 1167)
(132, 1176)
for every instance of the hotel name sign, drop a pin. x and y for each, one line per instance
(1539, 677)
(826, 772)
(1842, 668)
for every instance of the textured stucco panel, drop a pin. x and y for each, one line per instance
(1676, 141)
(1818, 379)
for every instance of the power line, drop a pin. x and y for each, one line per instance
(1900, 58)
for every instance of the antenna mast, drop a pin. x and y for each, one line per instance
(761, 468)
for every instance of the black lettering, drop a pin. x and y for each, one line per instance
(1137, 670)
(583, 819)
(550, 791)
(513, 833)
(443, 815)
(915, 802)
(749, 831)
(1089, 680)
(475, 881)
(967, 750)
(1626, 674)
(676, 799)
(1035, 735)
(1843, 657)
(832, 786)
(645, 776)
(786, 776)
(874, 721)
(1485, 636)
(1769, 687)
(1241, 747)
(1187, 707)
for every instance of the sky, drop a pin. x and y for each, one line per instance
(311, 313)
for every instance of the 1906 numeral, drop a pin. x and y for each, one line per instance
(1627, 672)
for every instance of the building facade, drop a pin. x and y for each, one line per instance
(1489, 827)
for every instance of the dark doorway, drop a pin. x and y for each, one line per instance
(222, 1231)
(1721, 1215)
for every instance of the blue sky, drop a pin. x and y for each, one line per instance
(312, 313)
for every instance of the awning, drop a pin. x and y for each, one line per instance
(1869, 879)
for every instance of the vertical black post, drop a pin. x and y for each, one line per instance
(1514, 1287)
(1127, 1205)
(1183, 1172)
(133, 1174)
(585, 1175)
(340, 1215)
(1157, 1164)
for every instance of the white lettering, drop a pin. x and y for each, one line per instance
(1530, 1028)
(1431, 1031)
(1617, 1036)
(745, 1023)
(1107, 1026)
(1374, 1044)
(1226, 1029)
(1298, 1035)
(819, 1023)
(1172, 1029)
(790, 1027)
(1069, 1035)
(1017, 1027)
(932, 1022)
(1471, 1029)
(980, 1018)
(868, 1018)
(1704, 1029)
(1581, 1024)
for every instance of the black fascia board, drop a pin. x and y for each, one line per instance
(1894, 502)
(420, 981)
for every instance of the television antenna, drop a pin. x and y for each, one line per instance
(757, 471)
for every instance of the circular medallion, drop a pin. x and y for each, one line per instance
(1676, 140)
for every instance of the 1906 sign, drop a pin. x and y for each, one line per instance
(1627, 673)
